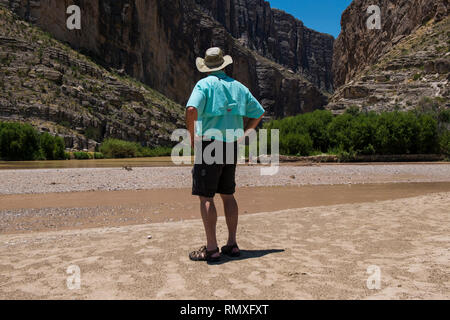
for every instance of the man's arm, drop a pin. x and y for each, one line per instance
(191, 117)
(253, 110)
(252, 124)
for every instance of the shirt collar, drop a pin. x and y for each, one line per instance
(219, 74)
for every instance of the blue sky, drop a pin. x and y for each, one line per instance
(320, 15)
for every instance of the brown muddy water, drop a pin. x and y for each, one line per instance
(146, 162)
(79, 210)
(94, 163)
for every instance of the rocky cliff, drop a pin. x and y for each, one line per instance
(58, 90)
(404, 65)
(277, 36)
(358, 47)
(157, 41)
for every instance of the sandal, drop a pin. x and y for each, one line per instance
(204, 255)
(228, 250)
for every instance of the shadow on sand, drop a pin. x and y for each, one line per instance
(247, 254)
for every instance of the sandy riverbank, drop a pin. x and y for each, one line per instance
(309, 253)
(77, 210)
(322, 227)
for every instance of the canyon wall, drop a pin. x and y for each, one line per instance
(404, 65)
(157, 41)
(278, 36)
(358, 47)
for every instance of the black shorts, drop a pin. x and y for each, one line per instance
(210, 179)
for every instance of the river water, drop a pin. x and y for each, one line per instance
(103, 163)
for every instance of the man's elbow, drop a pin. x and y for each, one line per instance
(262, 116)
(191, 112)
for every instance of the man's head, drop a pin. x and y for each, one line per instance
(214, 61)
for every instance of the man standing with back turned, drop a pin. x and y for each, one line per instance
(217, 105)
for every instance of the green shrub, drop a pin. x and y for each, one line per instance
(354, 133)
(294, 144)
(23, 142)
(114, 148)
(316, 126)
(19, 142)
(444, 143)
(155, 152)
(339, 132)
(396, 133)
(353, 110)
(428, 137)
(81, 155)
(52, 147)
(361, 133)
(312, 124)
(99, 155)
(444, 116)
(344, 156)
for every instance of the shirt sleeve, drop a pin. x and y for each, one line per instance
(197, 99)
(254, 109)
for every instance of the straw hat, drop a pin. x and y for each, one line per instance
(214, 61)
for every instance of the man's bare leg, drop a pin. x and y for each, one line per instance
(209, 216)
(232, 217)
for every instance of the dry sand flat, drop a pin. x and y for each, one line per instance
(309, 253)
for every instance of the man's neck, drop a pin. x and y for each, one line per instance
(218, 73)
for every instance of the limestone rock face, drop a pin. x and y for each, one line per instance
(157, 41)
(58, 90)
(358, 47)
(403, 66)
(278, 36)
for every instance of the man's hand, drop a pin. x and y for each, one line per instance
(191, 118)
(251, 125)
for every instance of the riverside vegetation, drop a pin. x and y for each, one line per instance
(364, 133)
(22, 142)
(349, 134)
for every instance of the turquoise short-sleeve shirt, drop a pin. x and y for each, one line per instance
(222, 103)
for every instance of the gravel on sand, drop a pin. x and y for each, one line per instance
(114, 179)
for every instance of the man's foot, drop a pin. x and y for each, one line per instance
(231, 250)
(204, 255)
